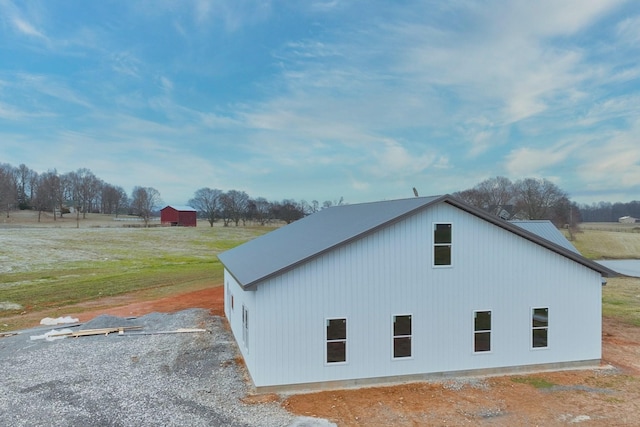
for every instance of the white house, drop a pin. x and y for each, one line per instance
(627, 219)
(409, 290)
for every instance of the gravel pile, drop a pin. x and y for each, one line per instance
(135, 379)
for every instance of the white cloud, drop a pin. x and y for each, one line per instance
(506, 56)
(166, 84)
(26, 28)
(629, 31)
(125, 63)
(52, 87)
(529, 161)
(394, 160)
(613, 108)
(612, 161)
(23, 25)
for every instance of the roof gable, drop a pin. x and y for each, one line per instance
(180, 208)
(283, 249)
(311, 236)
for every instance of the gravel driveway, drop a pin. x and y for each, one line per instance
(185, 379)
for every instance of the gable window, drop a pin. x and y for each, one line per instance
(401, 336)
(245, 327)
(481, 331)
(540, 327)
(442, 244)
(336, 337)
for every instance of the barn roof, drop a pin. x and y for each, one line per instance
(181, 208)
(546, 229)
(287, 247)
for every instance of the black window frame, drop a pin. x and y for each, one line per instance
(442, 244)
(481, 332)
(402, 339)
(539, 328)
(335, 340)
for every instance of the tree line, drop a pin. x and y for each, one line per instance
(533, 198)
(83, 192)
(609, 212)
(236, 206)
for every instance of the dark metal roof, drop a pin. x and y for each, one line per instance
(285, 248)
(546, 230)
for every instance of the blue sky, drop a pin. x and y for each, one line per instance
(325, 99)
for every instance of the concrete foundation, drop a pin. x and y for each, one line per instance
(430, 377)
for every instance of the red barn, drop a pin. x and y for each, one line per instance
(184, 216)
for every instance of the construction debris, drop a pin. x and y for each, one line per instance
(177, 331)
(64, 333)
(57, 321)
(120, 330)
(7, 334)
(104, 331)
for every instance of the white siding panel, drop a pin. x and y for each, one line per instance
(390, 272)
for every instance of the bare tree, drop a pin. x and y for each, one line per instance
(8, 196)
(143, 202)
(113, 199)
(540, 199)
(260, 210)
(492, 195)
(83, 190)
(329, 203)
(207, 202)
(234, 206)
(288, 211)
(47, 193)
(25, 185)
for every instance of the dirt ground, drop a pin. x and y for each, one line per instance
(608, 396)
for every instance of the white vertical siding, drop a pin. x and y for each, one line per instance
(390, 272)
(234, 316)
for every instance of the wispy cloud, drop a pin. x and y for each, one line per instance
(26, 28)
(51, 87)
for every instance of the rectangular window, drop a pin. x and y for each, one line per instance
(229, 296)
(401, 336)
(336, 340)
(245, 327)
(481, 331)
(442, 244)
(540, 327)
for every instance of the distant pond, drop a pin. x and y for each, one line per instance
(628, 267)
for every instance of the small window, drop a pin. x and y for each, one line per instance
(540, 327)
(481, 331)
(442, 244)
(401, 336)
(245, 327)
(336, 340)
(229, 296)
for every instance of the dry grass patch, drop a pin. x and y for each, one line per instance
(600, 244)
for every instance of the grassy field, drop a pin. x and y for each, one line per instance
(46, 267)
(615, 241)
(49, 265)
(621, 295)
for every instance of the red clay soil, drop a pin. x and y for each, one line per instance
(211, 298)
